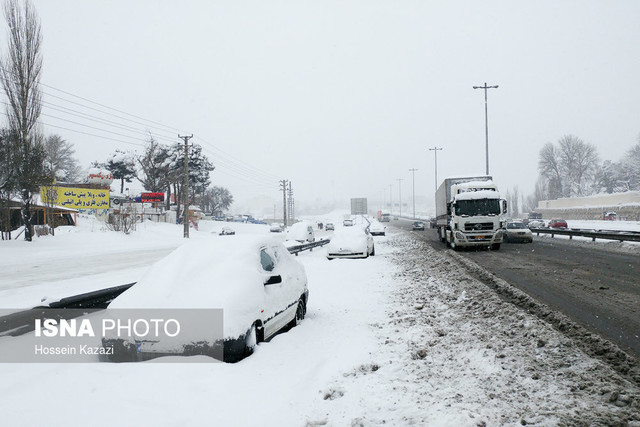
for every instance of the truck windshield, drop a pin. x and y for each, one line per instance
(477, 207)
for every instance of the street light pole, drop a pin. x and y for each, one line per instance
(435, 152)
(413, 179)
(400, 195)
(391, 199)
(486, 119)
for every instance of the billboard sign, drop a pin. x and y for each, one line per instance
(359, 206)
(76, 198)
(152, 197)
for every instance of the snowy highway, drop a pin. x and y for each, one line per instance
(402, 338)
(593, 283)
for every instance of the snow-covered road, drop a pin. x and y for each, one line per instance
(402, 338)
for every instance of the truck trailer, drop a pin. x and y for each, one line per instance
(469, 212)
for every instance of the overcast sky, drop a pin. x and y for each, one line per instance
(344, 97)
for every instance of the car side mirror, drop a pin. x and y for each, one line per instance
(504, 206)
(273, 280)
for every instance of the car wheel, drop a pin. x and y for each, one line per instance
(301, 311)
(373, 251)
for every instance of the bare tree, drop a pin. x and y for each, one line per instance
(549, 167)
(579, 163)
(20, 75)
(59, 162)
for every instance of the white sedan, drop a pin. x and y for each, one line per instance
(257, 283)
(351, 242)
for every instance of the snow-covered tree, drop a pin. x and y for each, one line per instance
(59, 161)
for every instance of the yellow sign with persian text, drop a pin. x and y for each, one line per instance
(75, 198)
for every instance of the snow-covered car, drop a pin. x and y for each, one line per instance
(227, 231)
(351, 242)
(257, 283)
(516, 231)
(330, 226)
(377, 229)
(417, 225)
(535, 223)
(301, 231)
(347, 223)
(275, 228)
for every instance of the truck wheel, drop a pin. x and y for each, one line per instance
(495, 246)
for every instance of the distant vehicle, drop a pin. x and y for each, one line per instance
(275, 228)
(329, 226)
(385, 217)
(347, 223)
(535, 215)
(377, 229)
(417, 225)
(469, 212)
(227, 231)
(301, 231)
(535, 223)
(516, 231)
(557, 223)
(352, 242)
(610, 216)
(253, 278)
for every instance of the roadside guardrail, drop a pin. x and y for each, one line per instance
(307, 246)
(593, 234)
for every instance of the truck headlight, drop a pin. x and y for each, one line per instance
(460, 236)
(498, 234)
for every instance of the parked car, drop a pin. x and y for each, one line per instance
(227, 231)
(257, 283)
(536, 223)
(352, 242)
(275, 228)
(557, 223)
(302, 232)
(347, 223)
(377, 229)
(517, 231)
(417, 225)
(329, 226)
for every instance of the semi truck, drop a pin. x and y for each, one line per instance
(469, 212)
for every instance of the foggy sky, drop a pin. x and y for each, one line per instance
(343, 98)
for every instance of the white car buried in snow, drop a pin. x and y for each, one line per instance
(257, 283)
(351, 242)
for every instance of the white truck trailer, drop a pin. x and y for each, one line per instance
(469, 212)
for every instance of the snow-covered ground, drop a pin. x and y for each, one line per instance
(402, 338)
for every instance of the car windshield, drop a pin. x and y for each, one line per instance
(516, 225)
(475, 207)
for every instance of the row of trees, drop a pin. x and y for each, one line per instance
(28, 160)
(160, 168)
(572, 168)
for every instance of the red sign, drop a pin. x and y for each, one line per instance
(152, 197)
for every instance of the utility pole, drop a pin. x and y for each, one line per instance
(486, 119)
(391, 199)
(435, 151)
(400, 194)
(283, 186)
(292, 215)
(413, 173)
(185, 185)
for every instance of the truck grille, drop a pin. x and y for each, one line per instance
(478, 226)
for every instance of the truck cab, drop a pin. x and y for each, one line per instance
(474, 212)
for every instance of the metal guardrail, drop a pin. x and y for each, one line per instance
(593, 234)
(307, 246)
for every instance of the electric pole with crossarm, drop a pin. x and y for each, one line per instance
(185, 185)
